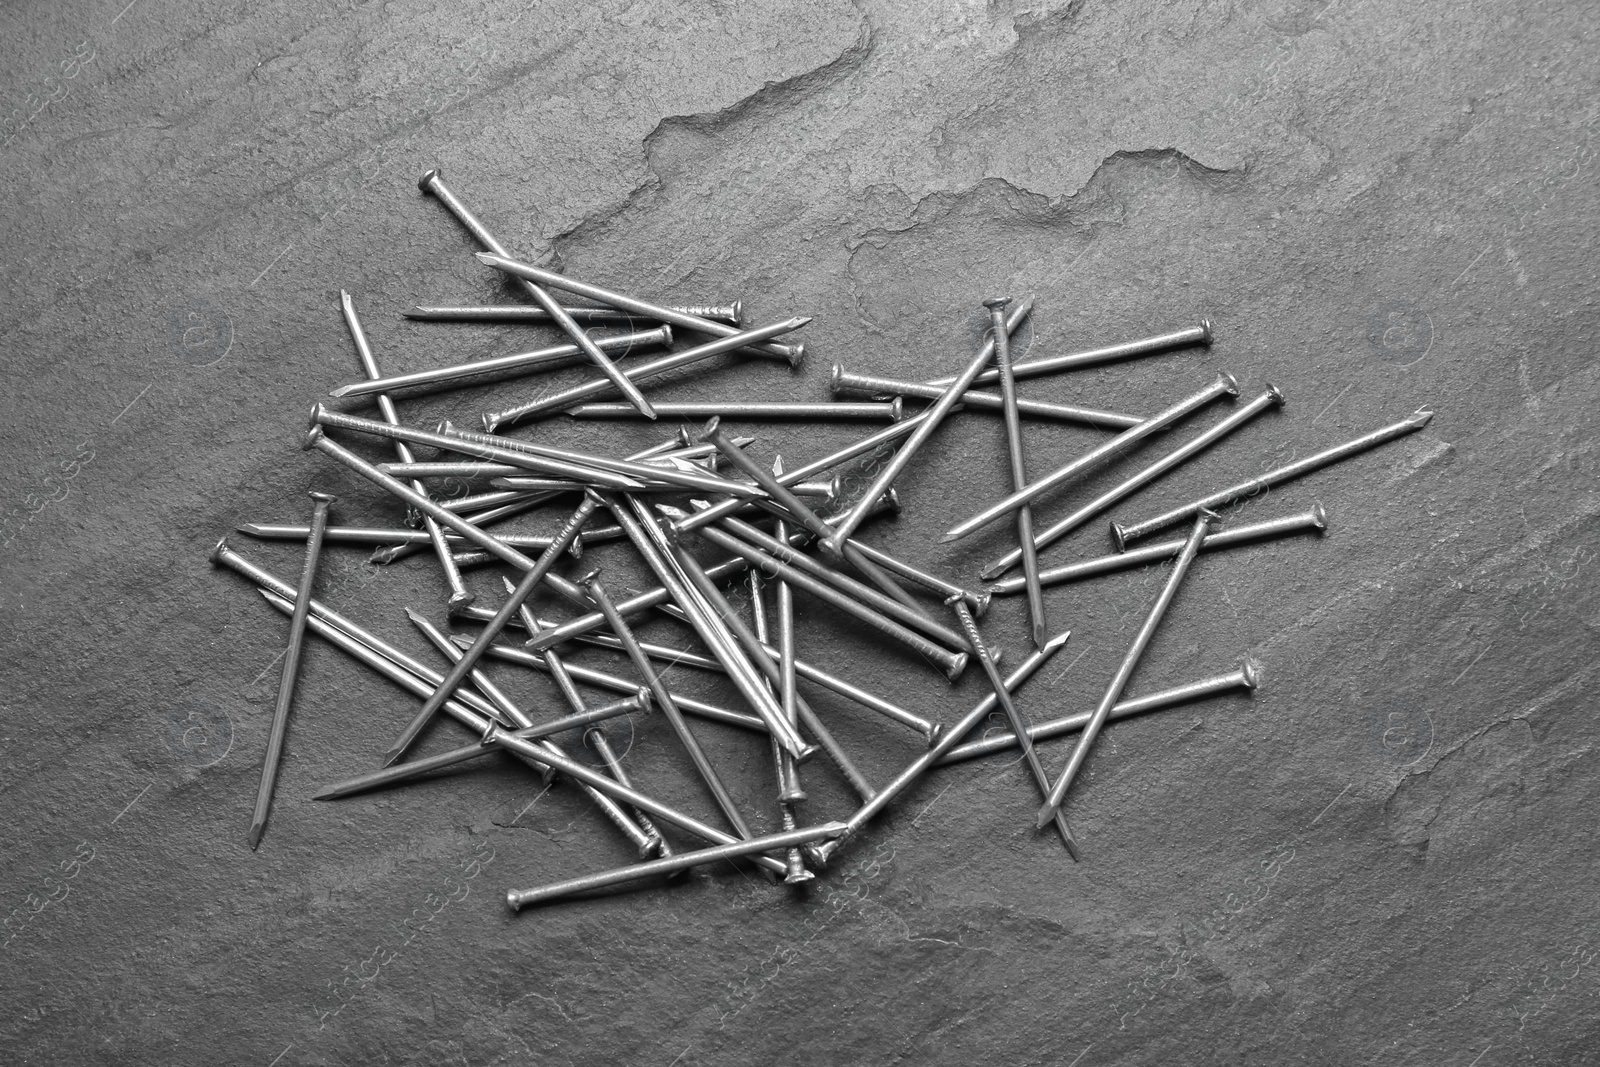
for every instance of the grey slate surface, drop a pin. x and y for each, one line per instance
(1386, 856)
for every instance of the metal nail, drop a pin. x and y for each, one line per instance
(870, 610)
(1019, 726)
(669, 707)
(785, 499)
(733, 314)
(930, 420)
(1272, 398)
(478, 372)
(522, 898)
(577, 394)
(647, 844)
(291, 668)
(788, 774)
(1193, 335)
(1123, 534)
(791, 354)
(547, 559)
(847, 383)
(1313, 521)
(700, 578)
(752, 544)
(1113, 691)
(1223, 386)
(432, 182)
(1245, 677)
(1019, 475)
(952, 737)
(405, 772)
(652, 543)
(459, 596)
(644, 472)
(892, 411)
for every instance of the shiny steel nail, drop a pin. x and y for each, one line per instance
(889, 412)
(930, 420)
(405, 772)
(698, 708)
(729, 313)
(789, 502)
(846, 383)
(1272, 398)
(1123, 534)
(1223, 386)
(870, 610)
(952, 737)
(1019, 726)
(719, 605)
(732, 531)
(644, 842)
(577, 394)
(532, 751)
(1113, 692)
(547, 559)
(1019, 479)
(1246, 678)
(1193, 335)
(644, 472)
(669, 707)
(431, 182)
(291, 668)
(500, 368)
(459, 596)
(653, 544)
(1313, 521)
(791, 354)
(788, 774)
(522, 898)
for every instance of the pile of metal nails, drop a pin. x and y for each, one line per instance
(767, 528)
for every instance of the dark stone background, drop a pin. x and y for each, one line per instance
(1383, 857)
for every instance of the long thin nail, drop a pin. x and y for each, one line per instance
(459, 596)
(1313, 521)
(1113, 692)
(522, 898)
(577, 394)
(644, 842)
(787, 772)
(500, 368)
(863, 603)
(1272, 398)
(1123, 534)
(952, 737)
(405, 772)
(733, 314)
(867, 604)
(714, 630)
(735, 409)
(1148, 346)
(291, 668)
(547, 559)
(790, 354)
(668, 706)
(698, 708)
(1223, 386)
(533, 751)
(644, 472)
(1019, 726)
(432, 183)
(785, 498)
(1246, 678)
(1019, 481)
(322, 417)
(930, 421)
(846, 383)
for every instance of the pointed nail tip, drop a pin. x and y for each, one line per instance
(255, 836)
(391, 757)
